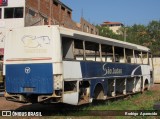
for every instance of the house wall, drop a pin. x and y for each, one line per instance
(156, 64)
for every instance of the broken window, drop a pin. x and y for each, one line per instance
(107, 53)
(67, 48)
(138, 57)
(79, 50)
(92, 51)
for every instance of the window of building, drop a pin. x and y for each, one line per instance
(0, 13)
(69, 14)
(55, 3)
(16, 12)
(92, 31)
(88, 29)
(31, 12)
(63, 8)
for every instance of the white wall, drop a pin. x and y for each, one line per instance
(156, 63)
(12, 23)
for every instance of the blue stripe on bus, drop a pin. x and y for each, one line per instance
(29, 78)
(98, 69)
(111, 70)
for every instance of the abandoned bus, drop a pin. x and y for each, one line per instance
(56, 64)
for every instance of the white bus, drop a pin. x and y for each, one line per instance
(56, 64)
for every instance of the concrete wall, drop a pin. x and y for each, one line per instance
(156, 63)
(87, 27)
(10, 22)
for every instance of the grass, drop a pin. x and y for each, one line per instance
(136, 102)
(105, 109)
(139, 101)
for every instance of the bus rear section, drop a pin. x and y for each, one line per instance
(31, 61)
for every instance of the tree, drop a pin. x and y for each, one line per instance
(154, 36)
(106, 32)
(148, 35)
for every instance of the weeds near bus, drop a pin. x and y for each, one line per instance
(144, 101)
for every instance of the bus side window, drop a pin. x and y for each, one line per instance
(138, 58)
(92, 51)
(145, 58)
(129, 56)
(78, 50)
(67, 48)
(107, 53)
(119, 55)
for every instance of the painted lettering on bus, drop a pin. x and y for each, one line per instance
(111, 71)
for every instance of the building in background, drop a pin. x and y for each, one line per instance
(22, 13)
(87, 27)
(54, 12)
(49, 12)
(114, 26)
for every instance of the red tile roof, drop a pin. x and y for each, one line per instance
(110, 23)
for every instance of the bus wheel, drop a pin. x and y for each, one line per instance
(99, 92)
(146, 85)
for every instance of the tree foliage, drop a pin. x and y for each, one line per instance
(146, 35)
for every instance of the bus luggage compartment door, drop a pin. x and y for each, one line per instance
(71, 93)
(29, 78)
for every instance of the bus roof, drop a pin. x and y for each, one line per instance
(99, 39)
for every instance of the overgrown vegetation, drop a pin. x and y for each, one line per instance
(148, 35)
(144, 101)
